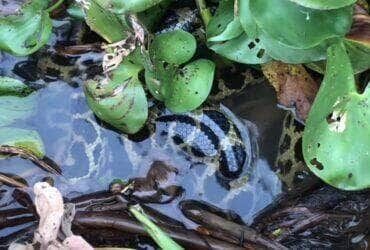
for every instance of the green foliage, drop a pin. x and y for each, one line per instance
(25, 32)
(105, 23)
(337, 135)
(324, 5)
(28, 140)
(297, 26)
(130, 6)
(18, 103)
(157, 234)
(174, 47)
(190, 86)
(119, 99)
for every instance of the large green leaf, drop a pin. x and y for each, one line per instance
(249, 25)
(190, 87)
(297, 26)
(287, 54)
(336, 141)
(359, 53)
(25, 32)
(28, 140)
(130, 6)
(242, 49)
(324, 4)
(120, 99)
(222, 18)
(107, 24)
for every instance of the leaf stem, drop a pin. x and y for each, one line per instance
(55, 6)
(204, 11)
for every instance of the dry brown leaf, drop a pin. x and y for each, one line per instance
(360, 30)
(295, 88)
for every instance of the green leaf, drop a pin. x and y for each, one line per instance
(76, 12)
(287, 54)
(324, 4)
(174, 47)
(233, 29)
(297, 26)
(336, 141)
(24, 33)
(11, 86)
(157, 234)
(243, 50)
(13, 106)
(28, 140)
(120, 99)
(249, 25)
(130, 6)
(190, 87)
(107, 24)
(359, 54)
(223, 17)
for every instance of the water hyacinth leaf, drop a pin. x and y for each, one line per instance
(233, 29)
(190, 87)
(324, 5)
(287, 54)
(76, 11)
(120, 99)
(246, 20)
(161, 238)
(130, 6)
(284, 20)
(11, 86)
(174, 47)
(105, 23)
(222, 18)
(26, 30)
(157, 76)
(243, 50)
(28, 140)
(336, 141)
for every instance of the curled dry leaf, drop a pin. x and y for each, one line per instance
(295, 88)
(76, 242)
(49, 206)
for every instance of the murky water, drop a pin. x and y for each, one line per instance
(92, 156)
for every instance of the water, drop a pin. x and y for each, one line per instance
(91, 156)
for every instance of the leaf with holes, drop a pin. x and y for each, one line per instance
(119, 99)
(190, 87)
(287, 54)
(242, 49)
(297, 26)
(27, 29)
(324, 5)
(336, 141)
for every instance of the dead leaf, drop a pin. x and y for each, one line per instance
(295, 88)
(360, 30)
(49, 207)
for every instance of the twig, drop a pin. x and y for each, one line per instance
(46, 163)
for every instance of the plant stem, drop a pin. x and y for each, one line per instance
(55, 6)
(204, 11)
